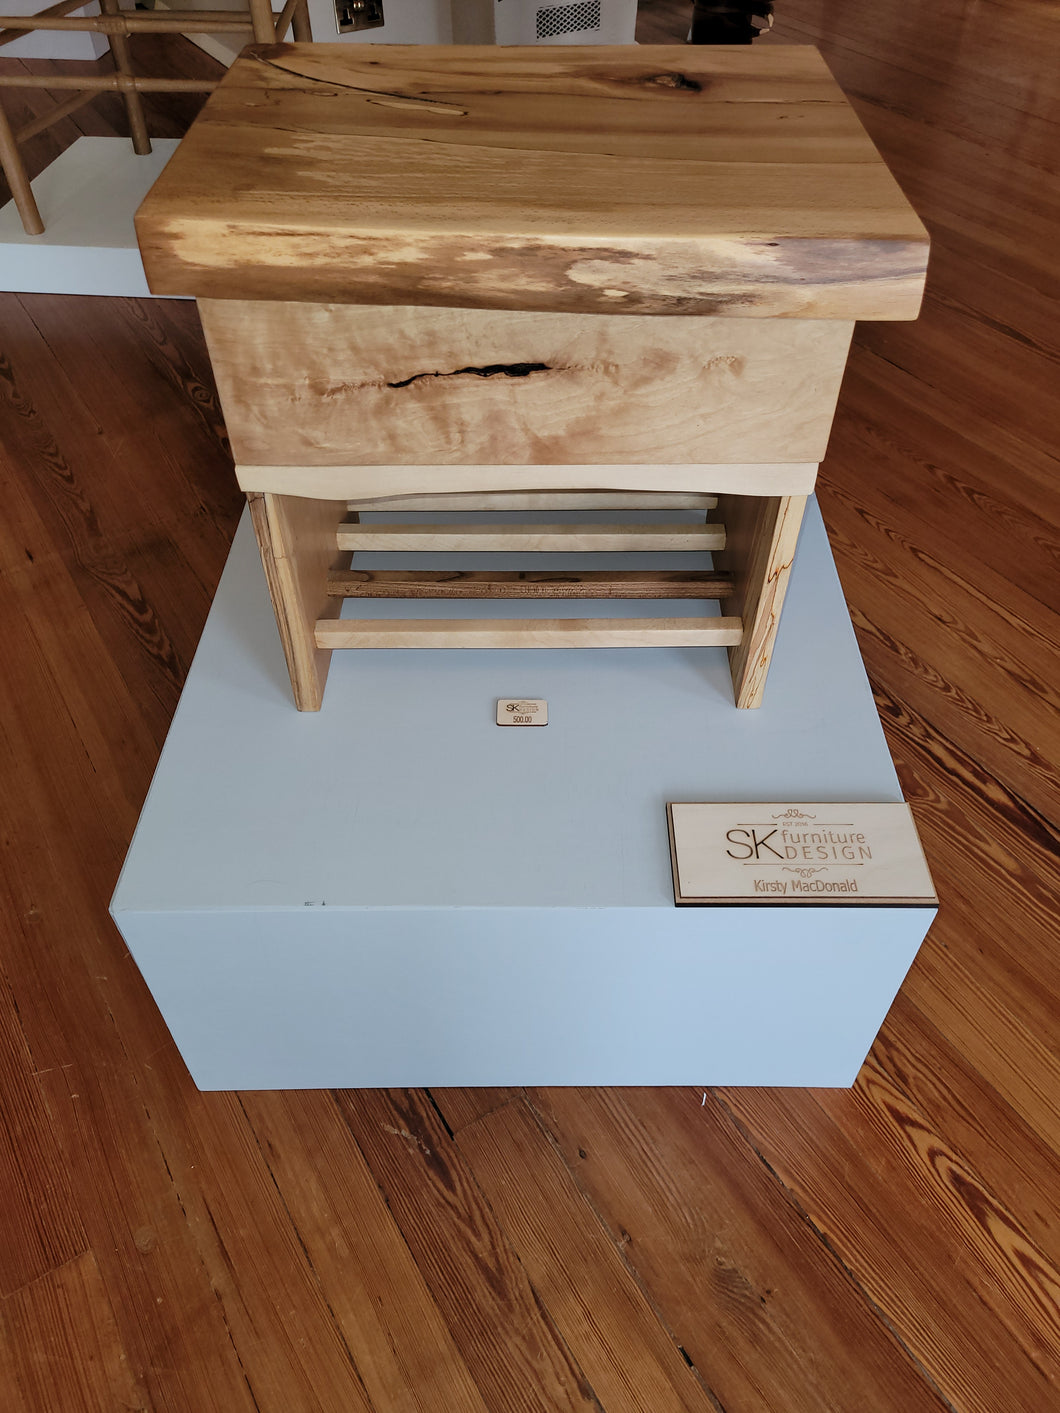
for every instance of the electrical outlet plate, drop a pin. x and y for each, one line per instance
(353, 15)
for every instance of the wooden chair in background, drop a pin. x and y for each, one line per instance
(258, 19)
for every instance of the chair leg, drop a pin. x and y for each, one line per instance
(15, 172)
(301, 29)
(262, 22)
(134, 107)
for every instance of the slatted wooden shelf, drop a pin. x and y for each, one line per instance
(509, 539)
(529, 633)
(539, 500)
(529, 584)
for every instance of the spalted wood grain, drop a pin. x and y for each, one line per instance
(771, 1325)
(595, 179)
(318, 384)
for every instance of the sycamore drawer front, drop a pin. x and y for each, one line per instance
(339, 384)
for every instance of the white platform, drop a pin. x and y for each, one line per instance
(87, 199)
(396, 891)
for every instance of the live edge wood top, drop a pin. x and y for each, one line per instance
(647, 180)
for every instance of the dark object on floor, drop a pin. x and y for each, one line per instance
(729, 21)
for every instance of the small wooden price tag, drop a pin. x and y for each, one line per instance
(522, 711)
(797, 854)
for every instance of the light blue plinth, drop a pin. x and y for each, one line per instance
(396, 891)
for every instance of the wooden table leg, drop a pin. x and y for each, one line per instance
(296, 538)
(762, 534)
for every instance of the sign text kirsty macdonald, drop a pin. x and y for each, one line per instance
(804, 886)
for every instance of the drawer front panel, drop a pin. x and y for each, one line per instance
(320, 385)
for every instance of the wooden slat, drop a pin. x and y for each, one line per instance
(115, 83)
(511, 539)
(186, 21)
(541, 500)
(528, 633)
(55, 115)
(517, 584)
(348, 479)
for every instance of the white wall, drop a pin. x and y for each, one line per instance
(407, 22)
(51, 44)
(441, 22)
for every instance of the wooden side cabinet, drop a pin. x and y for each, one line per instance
(537, 279)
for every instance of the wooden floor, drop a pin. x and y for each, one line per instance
(890, 1249)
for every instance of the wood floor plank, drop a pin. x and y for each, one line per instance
(974, 828)
(377, 1296)
(172, 1324)
(40, 1225)
(505, 1331)
(283, 1327)
(633, 1361)
(66, 1352)
(841, 1154)
(886, 444)
(460, 1107)
(969, 648)
(1010, 1155)
(774, 1326)
(64, 470)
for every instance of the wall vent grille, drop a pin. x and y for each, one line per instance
(554, 20)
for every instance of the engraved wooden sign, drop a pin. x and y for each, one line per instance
(797, 854)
